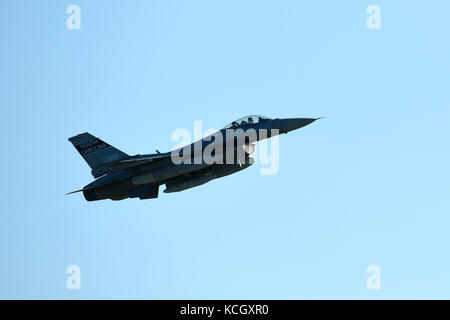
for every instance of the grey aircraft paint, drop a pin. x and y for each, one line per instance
(120, 176)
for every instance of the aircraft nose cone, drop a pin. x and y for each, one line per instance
(295, 123)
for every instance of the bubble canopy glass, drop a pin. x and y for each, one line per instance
(252, 119)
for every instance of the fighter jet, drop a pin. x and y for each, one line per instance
(120, 176)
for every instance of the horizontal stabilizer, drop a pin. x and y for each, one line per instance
(74, 191)
(89, 187)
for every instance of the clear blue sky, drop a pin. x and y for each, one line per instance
(367, 185)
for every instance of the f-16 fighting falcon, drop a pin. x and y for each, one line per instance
(120, 176)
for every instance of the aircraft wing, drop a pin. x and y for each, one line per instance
(134, 161)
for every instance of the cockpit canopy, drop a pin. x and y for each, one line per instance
(248, 120)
